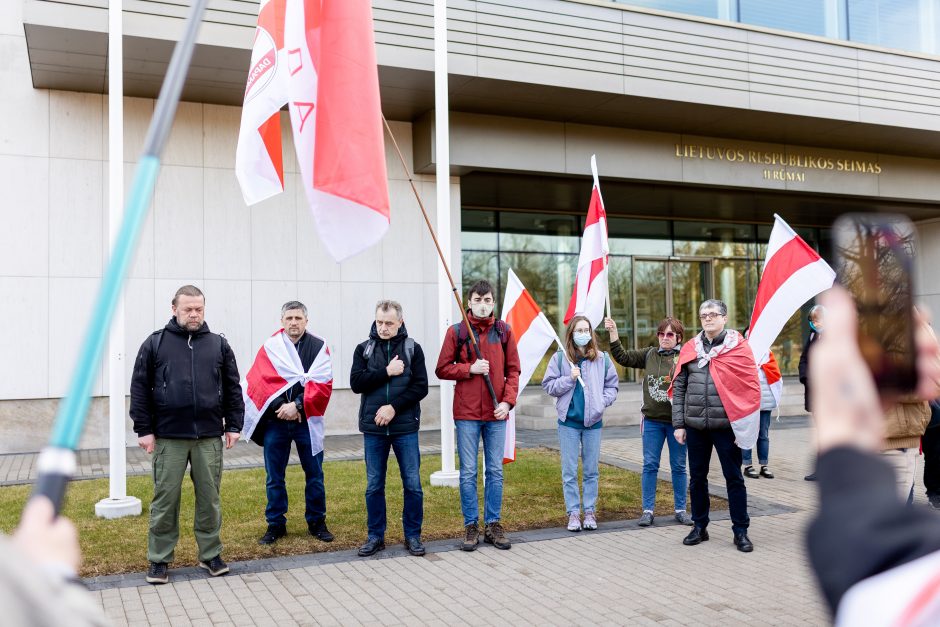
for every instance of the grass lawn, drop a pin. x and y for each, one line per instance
(532, 498)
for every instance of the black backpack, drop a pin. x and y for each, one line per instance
(370, 346)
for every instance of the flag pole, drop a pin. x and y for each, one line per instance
(56, 462)
(453, 286)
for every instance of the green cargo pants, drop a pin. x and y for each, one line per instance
(170, 458)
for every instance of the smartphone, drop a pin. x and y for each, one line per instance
(875, 262)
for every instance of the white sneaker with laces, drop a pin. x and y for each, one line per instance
(574, 521)
(590, 522)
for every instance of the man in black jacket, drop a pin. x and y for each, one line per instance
(815, 319)
(185, 395)
(388, 371)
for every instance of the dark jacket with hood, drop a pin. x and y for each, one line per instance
(695, 400)
(185, 385)
(403, 392)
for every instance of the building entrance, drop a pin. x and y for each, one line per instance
(668, 287)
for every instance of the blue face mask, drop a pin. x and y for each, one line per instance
(813, 326)
(582, 339)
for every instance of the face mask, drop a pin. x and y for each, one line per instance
(813, 326)
(582, 339)
(481, 310)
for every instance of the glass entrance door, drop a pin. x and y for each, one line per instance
(665, 287)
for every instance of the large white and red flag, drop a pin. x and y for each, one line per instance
(534, 334)
(318, 57)
(590, 284)
(793, 273)
(277, 368)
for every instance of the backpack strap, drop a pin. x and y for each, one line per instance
(606, 363)
(155, 343)
(561, 355)
(409, 349)
(368, 348)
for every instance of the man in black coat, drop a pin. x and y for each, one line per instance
(185, 396)
(388, 370)
(815, 319)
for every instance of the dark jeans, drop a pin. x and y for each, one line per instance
(700, 445)
(931, 444)
(409, 464)
(277, 441)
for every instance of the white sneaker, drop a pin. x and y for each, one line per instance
(574, 521)
(590, 522)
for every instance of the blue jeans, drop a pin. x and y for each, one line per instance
(277, 441)
(700, 444)
(763, 441)
(586, 444)
(409, 464)
(469, 433)
(655, 433)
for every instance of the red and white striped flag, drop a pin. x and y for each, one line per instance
(590, 284)
(277, 368)
(793, 273)
(318, 56)
(534, 334)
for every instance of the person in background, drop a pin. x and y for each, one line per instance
(768, 402)
(656, 414)
(584, 384)
(815, 318)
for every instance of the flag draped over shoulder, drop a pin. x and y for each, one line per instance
(534, 334)
(318, 57)
(734, 371)
(590, 284)
(277, 368)
(793, 273)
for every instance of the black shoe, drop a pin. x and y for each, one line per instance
(765, 472)
(933, 500)
(272, 535)
(415, 546)
(696, 536)
(810, 477)
(158, 573)
(372, 546)
(743, 543)
(215, 566)
(319, 531)
(750, 472)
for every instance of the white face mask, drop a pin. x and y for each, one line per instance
(481, 310)
(582, 339)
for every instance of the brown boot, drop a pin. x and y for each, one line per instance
(472, 538)
(493, 534)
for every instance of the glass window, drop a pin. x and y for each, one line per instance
(703, 8)
(798, 16)
(888, 23)
(535, 232)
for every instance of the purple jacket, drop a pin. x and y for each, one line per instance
(600, 381)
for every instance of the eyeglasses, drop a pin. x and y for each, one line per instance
(709, 316)
(668, 334)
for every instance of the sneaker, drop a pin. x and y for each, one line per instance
(574, 521)
(415, 546)
(765, 472)
(372, 546)
(215, 566)
(683, 518)
(646, 519)
(158, 573)
(493, 534)
(319, 531)
(472, 539)
(272, 535)
(750, 472)
(590, 521)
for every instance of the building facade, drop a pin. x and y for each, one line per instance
(707, 118)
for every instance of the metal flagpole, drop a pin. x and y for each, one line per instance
(56, 462)
(118, 504)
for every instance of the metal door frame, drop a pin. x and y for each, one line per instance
(668, 261)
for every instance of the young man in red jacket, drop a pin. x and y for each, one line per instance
(474, 413)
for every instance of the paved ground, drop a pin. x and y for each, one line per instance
(620, 575)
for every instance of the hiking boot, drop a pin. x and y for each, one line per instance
(765, 472)
(272, 535)
(590, 521)
(750, 472)
(493, 534)
(415, 546)
(472, 539)
(574, 521)
(372, 546)
(646, 519)
(215, 566)
(158, 573)
(683, 518)
(319, 531)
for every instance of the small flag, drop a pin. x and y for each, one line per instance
(590, 285)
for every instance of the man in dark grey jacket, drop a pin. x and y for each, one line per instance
(700, 420)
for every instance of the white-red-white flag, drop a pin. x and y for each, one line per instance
(590, 284)
(277, 368)
(534, 334)
(793, 273)
(318, 57)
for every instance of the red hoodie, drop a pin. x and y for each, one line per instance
(471, 398)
